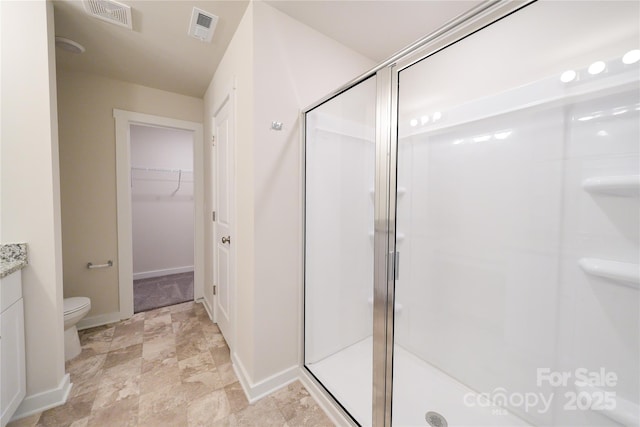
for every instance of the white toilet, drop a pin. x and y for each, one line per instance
(74, 309)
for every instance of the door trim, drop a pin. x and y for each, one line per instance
(123, 120)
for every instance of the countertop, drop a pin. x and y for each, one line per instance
(13, 257)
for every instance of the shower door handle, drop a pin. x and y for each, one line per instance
(226, 239)
(394, 265)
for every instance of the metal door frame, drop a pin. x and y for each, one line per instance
(387, 84)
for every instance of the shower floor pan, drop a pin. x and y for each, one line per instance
(347, 374)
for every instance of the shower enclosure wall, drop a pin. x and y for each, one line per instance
(472, 225)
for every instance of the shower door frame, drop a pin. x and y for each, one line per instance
(386, 144)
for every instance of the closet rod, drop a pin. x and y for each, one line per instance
(160, 170)
(179, 183)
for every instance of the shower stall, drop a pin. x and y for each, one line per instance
(472, 225)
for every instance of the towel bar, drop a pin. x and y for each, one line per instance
(92, 266)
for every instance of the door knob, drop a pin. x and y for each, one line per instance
(226, 239)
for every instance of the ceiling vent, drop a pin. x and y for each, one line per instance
(110, 11)
(202, 25)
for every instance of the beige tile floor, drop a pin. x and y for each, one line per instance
(167, 367)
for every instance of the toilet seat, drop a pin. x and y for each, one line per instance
(75, 304)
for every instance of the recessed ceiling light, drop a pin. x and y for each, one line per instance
(69, 45)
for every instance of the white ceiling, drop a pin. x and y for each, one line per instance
(158, 52)
(375, 28)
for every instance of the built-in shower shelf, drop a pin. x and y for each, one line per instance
(625, 411)
(624, 272)
(624, 185)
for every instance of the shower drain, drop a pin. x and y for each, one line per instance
(434, 419)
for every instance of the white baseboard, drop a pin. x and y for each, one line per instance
(44, 400)
(207, 307)
(99, 320)
(163, 272)
(338, 417)
(256, 391)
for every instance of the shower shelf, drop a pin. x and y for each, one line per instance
(624, 272)
(624, 185)
(625, 411)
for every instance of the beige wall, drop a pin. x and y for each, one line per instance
(294, 67)
(280, 66)
(88, 174)
(30, 192)
(236, 66)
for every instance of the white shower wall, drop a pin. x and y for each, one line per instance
(495, 221)
(339, 222)
(162, 221)
(339, 277)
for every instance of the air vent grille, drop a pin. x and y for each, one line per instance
(204, 20)
(110, 11)
(202, 25)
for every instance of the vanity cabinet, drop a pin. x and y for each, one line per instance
(12, 352)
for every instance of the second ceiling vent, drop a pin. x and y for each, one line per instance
(202, 25)
(110, 11)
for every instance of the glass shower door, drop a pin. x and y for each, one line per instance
(517, 298)
(339, 237)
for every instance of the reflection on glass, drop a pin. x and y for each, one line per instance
(507, 319)
(339, 165)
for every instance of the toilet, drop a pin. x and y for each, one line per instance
(74, 309)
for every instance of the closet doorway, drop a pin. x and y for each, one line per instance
(153, 175)
(162, 213)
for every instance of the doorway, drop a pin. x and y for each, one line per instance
(162, 216)
(154, 183)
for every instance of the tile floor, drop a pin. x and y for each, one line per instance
(167, 367)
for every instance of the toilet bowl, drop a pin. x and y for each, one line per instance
(74, 309)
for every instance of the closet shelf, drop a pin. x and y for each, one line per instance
(136, 168)
(624, 272)
(624, 185)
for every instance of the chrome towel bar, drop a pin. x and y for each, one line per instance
(92, 266)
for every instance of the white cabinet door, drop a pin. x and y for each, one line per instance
(12, 361)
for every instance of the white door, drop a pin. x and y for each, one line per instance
(223, 240)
